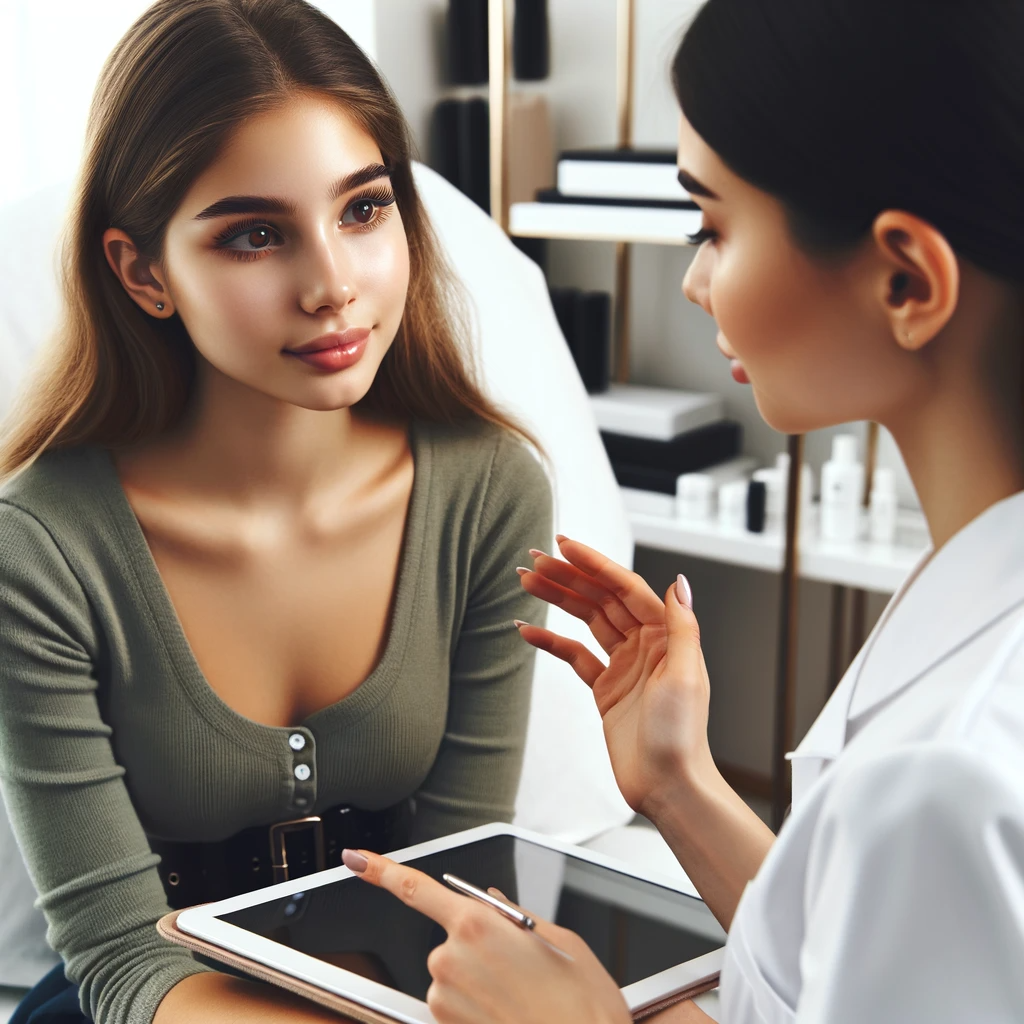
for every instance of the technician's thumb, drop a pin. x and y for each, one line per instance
(683, 654)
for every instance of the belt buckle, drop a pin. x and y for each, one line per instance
(278, 853)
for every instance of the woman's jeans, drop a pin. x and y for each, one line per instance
(54, 1000)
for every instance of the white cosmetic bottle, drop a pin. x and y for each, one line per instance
(777, 480)
(883, 506)
(842, 490)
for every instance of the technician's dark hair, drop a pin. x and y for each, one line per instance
(844, 108)
(185, 76)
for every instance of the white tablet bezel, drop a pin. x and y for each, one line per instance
(202, 922)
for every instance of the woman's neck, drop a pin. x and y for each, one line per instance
(963, 443)
(961, 463)
(252, 449)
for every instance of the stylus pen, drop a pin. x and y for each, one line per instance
(515, 916)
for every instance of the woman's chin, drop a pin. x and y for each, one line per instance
(781, 417)
(787, 420)
(340, 398)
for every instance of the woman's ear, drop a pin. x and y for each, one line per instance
(141, 278)
(921, 283)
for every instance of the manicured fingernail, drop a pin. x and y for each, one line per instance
(560, 537)
(536, 553)
(354, 861)
(518, 623)
(683, 591)
(522, 570)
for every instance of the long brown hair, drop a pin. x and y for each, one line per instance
(182, 79)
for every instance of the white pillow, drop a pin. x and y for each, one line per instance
(567, 787)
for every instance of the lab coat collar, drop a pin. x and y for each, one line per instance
(973, 580)
(827, 735)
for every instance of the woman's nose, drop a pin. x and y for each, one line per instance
(697, 283)
(327, 282)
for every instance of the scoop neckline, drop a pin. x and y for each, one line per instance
(167, 627)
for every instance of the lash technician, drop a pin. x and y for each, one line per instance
(860, 168)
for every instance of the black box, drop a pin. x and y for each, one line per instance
(688, 453)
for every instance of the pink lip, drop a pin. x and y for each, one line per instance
(738, 373)
(335, 351)
(735, 366)
(336, 339)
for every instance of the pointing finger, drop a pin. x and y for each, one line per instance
(412, 887)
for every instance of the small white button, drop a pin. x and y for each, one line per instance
(296, 741)
(302, 772)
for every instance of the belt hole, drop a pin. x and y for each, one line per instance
(173, 878)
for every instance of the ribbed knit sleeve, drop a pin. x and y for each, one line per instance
(65, 791)
(475, 776)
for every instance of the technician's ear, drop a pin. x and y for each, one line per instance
(142, 279)
(921, 285)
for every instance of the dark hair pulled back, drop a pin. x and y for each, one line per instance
(844, 108)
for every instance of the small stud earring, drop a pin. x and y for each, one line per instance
(910, 338)
(160, 306)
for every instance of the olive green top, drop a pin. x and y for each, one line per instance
(109, 731)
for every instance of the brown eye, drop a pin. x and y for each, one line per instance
(259, 238)
(368, 211)
(363, 211)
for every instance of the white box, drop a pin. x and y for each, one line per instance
(612, 179)
(658, 414)
(653, 224)
(651, 503)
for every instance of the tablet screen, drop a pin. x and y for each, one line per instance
(636, 928)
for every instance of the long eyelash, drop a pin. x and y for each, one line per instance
(380, 194)
(702, 236)
(240, 226)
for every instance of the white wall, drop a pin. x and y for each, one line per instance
(50, 56)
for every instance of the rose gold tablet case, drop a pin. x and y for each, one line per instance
(167, 926)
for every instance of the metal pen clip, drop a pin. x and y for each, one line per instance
(517, 917)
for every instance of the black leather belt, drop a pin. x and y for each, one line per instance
(255, 857)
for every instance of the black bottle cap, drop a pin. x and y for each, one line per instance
(757, 502)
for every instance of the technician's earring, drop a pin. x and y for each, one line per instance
(160, 306)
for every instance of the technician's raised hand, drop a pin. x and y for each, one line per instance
(653, 694)
(489, 971)
(653, 697)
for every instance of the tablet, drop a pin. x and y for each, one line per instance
(341, 934)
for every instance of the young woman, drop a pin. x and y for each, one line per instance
(258, 534)
(860, 167)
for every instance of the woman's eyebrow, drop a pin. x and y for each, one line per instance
(232, 205)
(694, 187)
(371, 172)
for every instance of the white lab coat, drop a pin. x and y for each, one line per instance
(895, 890)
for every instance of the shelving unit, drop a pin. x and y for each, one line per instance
(861, 567)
